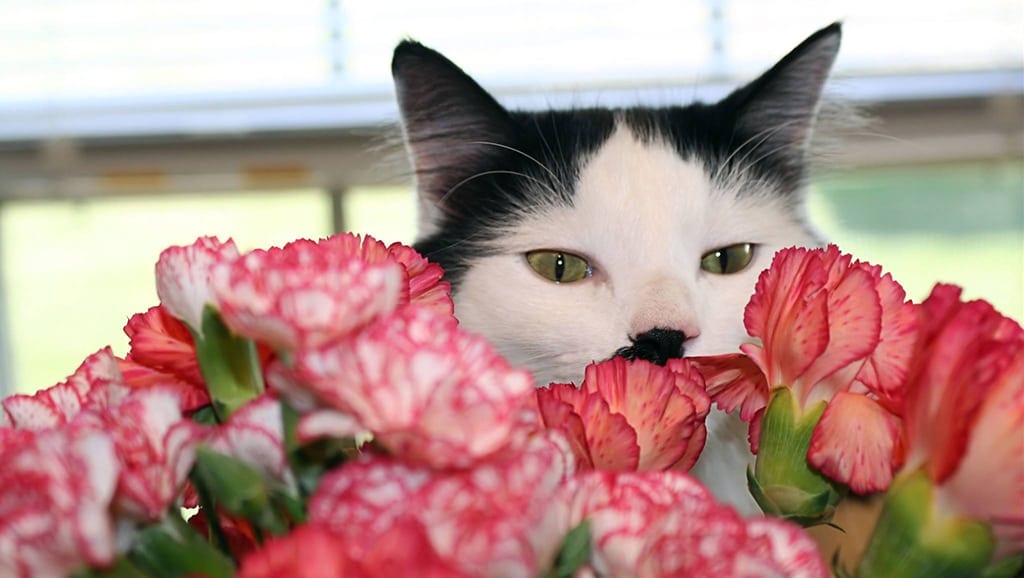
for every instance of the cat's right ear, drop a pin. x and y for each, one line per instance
(450, 123)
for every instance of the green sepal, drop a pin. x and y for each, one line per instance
(175, 550)
(229, 364)
(912, 539)
(782, 482)
(573, 553)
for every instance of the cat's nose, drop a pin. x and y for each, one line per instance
(657, 346)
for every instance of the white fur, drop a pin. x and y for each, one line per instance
(643, 217)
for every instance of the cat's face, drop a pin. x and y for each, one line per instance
(571, 236)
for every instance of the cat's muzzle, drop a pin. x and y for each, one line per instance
(657, 346)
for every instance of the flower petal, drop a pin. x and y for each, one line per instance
(183, 277)
(610, 442)
(853, 443)
(854, 329)
(734, 381)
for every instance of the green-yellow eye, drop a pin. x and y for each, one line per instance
(558, 266)
(727, 260)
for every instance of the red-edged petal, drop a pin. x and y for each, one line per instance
(664, 406)
(93, 385)
(789, 314)
(885, 372)
(139, 376)
(255, 435)
(789, 547)
(159, 341)
(558, 414)
(425, 284)
(754, 432)
(854, 328)
(853, 443)
(734, 381)
(304, 294)
(988, 483)
(183, 277)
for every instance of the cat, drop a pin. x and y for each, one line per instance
(570, 236)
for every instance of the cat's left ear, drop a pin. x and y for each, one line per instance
(776, 113)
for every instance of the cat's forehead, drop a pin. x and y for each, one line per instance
(641, 190)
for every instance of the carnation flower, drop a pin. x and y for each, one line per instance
(631, 415)
(88, 387)
(654, 524)
(425, 389)
(958, 500)
(424, 278)
(163, 352)
(832, 342)
(55, 508)
(502, 518)
(153, 443)
(304, 294)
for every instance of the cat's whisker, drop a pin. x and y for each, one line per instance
(527, 156)
(440, 201)
(760, 137)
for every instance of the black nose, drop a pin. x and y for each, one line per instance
(656, 346)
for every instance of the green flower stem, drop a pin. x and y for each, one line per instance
(782, 482)
(230, 365)
(210, 513)
(912, 539)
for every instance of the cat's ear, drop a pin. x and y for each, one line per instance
(776, 113)
(450, 123)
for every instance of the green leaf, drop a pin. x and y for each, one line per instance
(238, 488)
(162, 552)
(574, 552)
(229, 364)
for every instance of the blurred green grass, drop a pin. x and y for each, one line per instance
(75, 271)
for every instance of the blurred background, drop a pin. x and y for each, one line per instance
(128, 126)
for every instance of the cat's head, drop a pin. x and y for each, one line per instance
(570, 236)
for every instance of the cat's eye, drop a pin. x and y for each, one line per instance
(558, 266)
(727, 260)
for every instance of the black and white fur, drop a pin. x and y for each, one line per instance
(641, 193)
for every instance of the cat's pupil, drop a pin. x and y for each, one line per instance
(559, 266)
(723, 260)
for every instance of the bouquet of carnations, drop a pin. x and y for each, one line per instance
(315, 410)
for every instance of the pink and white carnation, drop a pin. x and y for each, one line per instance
(424, 278)
(503, 518)
(658, 524)
(155, 446)
(89, 387)
(55, 508)
(427, 391)
(304, 294)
